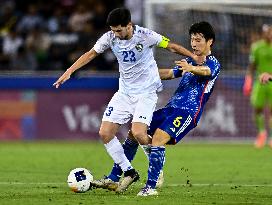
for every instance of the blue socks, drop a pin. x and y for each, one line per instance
(130, 148)
(156, 162)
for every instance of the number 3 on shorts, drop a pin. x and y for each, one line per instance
(109, 110)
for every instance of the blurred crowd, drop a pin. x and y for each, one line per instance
(51, 35)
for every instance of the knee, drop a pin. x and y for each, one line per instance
(136, 132)
(160, 139)
(139, 135)
(106, 135)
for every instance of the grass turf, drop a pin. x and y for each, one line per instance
(35, 173)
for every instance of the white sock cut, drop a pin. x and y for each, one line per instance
(116, 151)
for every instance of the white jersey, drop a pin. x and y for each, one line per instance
(137, 66)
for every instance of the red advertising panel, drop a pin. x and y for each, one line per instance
(17, 114)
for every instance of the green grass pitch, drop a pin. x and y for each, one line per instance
(36, 173)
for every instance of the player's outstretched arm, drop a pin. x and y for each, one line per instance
(176, 48)
(83, 60)
(197, 70)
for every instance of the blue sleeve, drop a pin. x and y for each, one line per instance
(214, 66)
(177, 72)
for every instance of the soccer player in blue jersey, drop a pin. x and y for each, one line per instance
(183, 111)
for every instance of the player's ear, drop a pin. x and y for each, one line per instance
(129, 25)
(210, 42)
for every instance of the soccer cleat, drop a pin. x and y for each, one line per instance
(105, 183)
(261, 139)
(147, 191)
(130, 176)
(160, 180)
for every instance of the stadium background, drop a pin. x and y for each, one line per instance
(40, 39)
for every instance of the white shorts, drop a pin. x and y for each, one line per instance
(123, 107)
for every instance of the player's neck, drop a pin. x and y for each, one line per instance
(130, 33)
(208, 52)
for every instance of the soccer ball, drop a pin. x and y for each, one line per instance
(79, 180)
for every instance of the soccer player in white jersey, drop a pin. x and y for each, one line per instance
(138, 83)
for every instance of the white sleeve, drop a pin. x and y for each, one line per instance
(153, 38)
(103, 43)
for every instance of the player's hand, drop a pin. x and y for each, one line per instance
(65, 76)
(247, 85)
(265, 78)
(199, 59)
(184, 66)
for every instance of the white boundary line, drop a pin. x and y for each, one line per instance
(32, 183)
(170, 185)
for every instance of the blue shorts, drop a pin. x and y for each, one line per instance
(176, 122)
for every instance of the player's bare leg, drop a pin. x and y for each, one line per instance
(139, 132)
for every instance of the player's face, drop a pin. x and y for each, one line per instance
(122, 32)
(199, 44)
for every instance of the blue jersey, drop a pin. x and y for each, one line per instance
(194, 91)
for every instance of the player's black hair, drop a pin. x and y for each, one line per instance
(119, 16)
(204, 28)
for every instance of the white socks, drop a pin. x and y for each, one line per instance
(116, 151)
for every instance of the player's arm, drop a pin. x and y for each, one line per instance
(166, 74)
(247, 87)
(249, 79)
(176, 48)
(83, 60)
(196, 70)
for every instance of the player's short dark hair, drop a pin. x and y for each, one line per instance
(119, 16)
(204, 28)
